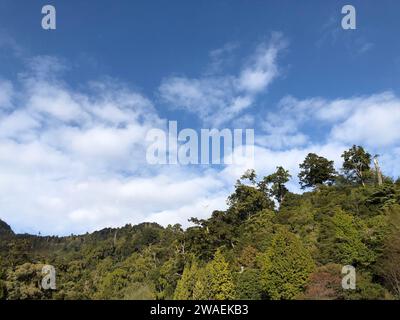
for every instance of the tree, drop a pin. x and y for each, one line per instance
(248, 286)
(316, 171)
(220, 283)
(250, 175)
(113, 284)
(356, 164)
(201, 290)
(185, 286)
(247, 201)
(138, 291)
(341, 240)
(278, 180)
(325, 283)
(25, 283)
(286, 267)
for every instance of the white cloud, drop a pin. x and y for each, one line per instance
(219, 99)
(74, 161)
(368, 120)
(375, 124)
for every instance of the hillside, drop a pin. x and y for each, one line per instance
(5, 229)
(268, 244)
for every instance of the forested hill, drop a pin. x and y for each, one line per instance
(5, 229)
(268, 244)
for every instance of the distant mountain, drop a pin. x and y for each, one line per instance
(5, 229)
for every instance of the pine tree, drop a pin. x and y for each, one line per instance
(341, 240)
(185, 286)
(220, 280)
(201, 290)
(287, 266)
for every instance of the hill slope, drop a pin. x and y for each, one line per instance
(253, 250)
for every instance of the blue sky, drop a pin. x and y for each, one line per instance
(76, 102)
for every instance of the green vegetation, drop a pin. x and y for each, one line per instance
(268, 244)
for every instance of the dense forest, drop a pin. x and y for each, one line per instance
(268, 244)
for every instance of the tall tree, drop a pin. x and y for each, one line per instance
(247, 201)
(250, 175)
(316, 171)
(277, 181)
(286, 267)
(220, 282)
(356, 164)
(341, 240)
(185, 286)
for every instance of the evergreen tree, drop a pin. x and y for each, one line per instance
(341, 241)
(248, 286)
(185, 286)
(286, 267)
(219, 276)
(201, 290)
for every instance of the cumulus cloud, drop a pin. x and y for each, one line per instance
(73, 161)
(332, 126)
(219, 99)
(369, 120)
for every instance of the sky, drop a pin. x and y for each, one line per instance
(77, 102)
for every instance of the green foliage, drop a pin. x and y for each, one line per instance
(246, 201)
(138, 291)
(316, 171)
(2, 290)
(366, 289)
(219, 279)
(356, 164)
(341, 241)
(185, 286)
(248, 285)
(200, 290)
(277, 181)
(24, 282)
(287, 266)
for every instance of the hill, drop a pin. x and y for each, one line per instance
(5, 229)
(269, 244)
